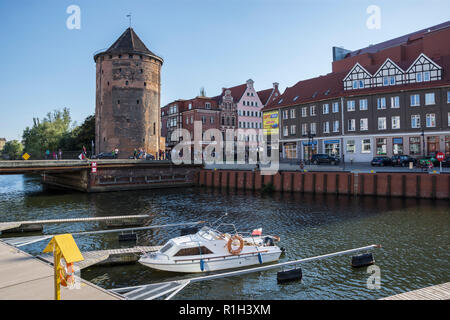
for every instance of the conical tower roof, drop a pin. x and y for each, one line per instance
(129, 42)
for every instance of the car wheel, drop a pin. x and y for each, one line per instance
(315, 162)
(333, 163)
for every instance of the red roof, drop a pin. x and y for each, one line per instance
(264, 95)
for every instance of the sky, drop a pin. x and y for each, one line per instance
(204, 43)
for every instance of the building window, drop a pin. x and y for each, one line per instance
(381, 146)
(448, 96)
(395, 102)
(363, 104)
(304, 129)
(415, 100)
(431, 120)
(190, 106)
(211, 119)
(312, 110)
(419, 77)
(392, 80)
(426, 76)
(292, 113)
(326, 108)
(126, 82)
(208, 105)
(361, 84)
(285, 131)
(336, 106)
(351, 105)
(365, 146)
(285, 114)
(355, 84)
(350, 146)
(363, 124)
(304, 112)
(382, 123)
(381, 103)
(448, 119)
(397, 146)
(313, 128)
(395, 121)
(336, 126)
(326, 127)
(293, 129)
(385, 81)
(415, 121)
(429, 98)
(351, 124)
(432, 145)
(414, 145)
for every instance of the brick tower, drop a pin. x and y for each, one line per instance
(127, 108)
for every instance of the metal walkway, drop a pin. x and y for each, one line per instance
(156, 290)
(437, 292)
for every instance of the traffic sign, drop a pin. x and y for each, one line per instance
(26, 156)
(94, 169)
(94, 164)
(440, 156)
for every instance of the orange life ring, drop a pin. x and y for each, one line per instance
(230, 242)
(66, 275)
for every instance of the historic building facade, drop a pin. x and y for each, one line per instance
(387, 99)
(128, 85)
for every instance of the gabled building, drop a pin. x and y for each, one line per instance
(387, 99)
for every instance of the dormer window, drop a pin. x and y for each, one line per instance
(355, 84)
(419, 77)
(426, 76)
(361, 84)
(281, 100)
(295, 98)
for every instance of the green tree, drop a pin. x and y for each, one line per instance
(13, 150)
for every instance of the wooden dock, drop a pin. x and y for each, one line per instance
(36, 225)
(437, 292)
(24, 277)
(108, 257)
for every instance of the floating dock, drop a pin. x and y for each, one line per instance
(437, 292)
(24, 277)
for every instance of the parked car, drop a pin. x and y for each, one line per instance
(381, 161)
(402, 160)
(324, 158)
(446, 162)
(104, 155)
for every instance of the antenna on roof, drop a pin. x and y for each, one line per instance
(129, 18)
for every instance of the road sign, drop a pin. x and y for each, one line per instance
(440, 156)
(26, 156)
(94, 169)
(94, 164)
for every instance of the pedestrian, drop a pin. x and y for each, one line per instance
(60, 154)
(116, 152)
(47, 154)
(54, 155)
(134, 154)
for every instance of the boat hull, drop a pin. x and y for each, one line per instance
(211, 264)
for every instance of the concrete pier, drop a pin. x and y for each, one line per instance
(24, 277)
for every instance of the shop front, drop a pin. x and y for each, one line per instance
(432, 145)
(333, 147)
(290, 150)
(397, 146)
(309, 148)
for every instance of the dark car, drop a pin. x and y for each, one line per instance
(324, 158)
(402, 160)
(104, 155)
(381, 161)
(446, 162)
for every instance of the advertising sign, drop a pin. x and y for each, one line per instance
(270, 123)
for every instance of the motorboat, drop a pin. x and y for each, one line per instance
(211, 250)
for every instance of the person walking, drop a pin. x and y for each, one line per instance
(60, 154)
(116, 152)
(134, 154)
(47, 154)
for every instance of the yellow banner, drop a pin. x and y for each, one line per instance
(270, 123)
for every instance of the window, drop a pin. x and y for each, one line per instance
(381, 146)
(126, 82)
(304, 112)
(285, 114)
(292, 113)
(285, 130)
(187, 120)
(448, 96)
(293, 129)
(312, 110)
(304, 129)
(336, 105)
(350, 146)
(382, 123)
(355, 84)
(295, 98)
(431, 120)
(385, 81)
(211, 119)
(361, 84)
(208, 105)
(395, 102)
(415, 100)
(313, 128)
(426, 76)
(415, 121)
(429, 98)
(351, 124)
(326, 108)
(351, 105)
(326, 127)
(336, 126)
(363, 104)
(395, 121)
(397, 146)
(195, 251)
(364, 124)
(203, 119)
(365, 146)
(414, 145)
(419, 77)
(381, 103)
(448, 119)
(392, 81)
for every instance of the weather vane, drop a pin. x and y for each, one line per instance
(129, 17)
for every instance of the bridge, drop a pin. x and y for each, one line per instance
(105, 174)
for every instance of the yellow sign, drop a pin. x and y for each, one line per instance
(62, 246)
(26, 156)
(271, 122)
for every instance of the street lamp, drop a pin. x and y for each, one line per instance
(423, 142)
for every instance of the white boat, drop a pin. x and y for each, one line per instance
(211, 250)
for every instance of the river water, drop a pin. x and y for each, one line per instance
(414, 235)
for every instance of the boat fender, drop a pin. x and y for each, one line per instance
(362, 260)
(202, 265)
(290, 275)
(260, 257)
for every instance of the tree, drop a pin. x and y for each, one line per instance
(13, 149)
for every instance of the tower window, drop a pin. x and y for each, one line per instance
(126, 82)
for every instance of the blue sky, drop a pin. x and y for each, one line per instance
(210, 44)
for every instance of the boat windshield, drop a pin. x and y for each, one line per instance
(208, 233)
(166, 247)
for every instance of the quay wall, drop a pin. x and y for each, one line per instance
(388, 184)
